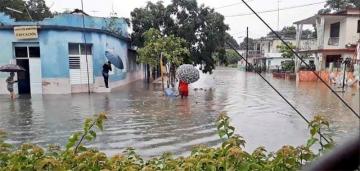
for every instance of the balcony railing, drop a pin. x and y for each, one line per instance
(255, 54)
(334, 41)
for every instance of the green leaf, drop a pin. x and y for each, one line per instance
(99, 124)
(311, 142)
(220, 124)
(81, 148)
(87, 124)
(89, 137)
(92, 133)
(328, 146)
(72, 140)
(313, 131)
(221, 133)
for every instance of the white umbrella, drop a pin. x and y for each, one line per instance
(187, 73)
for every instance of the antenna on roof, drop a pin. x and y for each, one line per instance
(113, 13)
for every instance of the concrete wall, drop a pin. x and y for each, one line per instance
(348, 32)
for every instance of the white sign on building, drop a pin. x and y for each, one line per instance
(26, 32)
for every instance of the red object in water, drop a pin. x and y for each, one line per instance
(183, 88)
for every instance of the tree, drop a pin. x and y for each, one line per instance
(142, 19)
(232, 57)
(172, 49)
(337, 5)
(285, 51)
(202, 28)
(38, 9)
(229, 39)
(251, 44)
(17, 5)
(290, 32)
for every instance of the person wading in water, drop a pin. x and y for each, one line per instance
(183, 89)
(10, 85)
(105, 73)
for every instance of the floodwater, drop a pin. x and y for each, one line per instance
(139, 116)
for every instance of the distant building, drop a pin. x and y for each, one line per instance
(57, 59)
(270, 57)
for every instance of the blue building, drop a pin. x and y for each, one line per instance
(65, 54)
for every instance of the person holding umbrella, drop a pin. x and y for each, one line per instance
(183, 89)
(186, 74)
(105, 73)
(10, 85)
(10, 80)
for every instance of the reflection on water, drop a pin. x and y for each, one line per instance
(139, 116)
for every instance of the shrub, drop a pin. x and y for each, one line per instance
(229, 156)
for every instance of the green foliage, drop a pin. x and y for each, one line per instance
(288, 65)
(37, 9)
(229, 156)
(227, 57)
(285, 51)
(201, 27)
(251, 44)
(337, 5)
(14, 4)
(173, 49)
(231, 40)
(290, 32)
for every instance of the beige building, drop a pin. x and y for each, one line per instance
(337, 37)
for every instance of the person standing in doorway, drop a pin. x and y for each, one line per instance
(10, 85)
(105, 73)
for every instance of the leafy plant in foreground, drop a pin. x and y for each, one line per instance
(230, 155)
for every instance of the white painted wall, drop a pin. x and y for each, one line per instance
(348, 31)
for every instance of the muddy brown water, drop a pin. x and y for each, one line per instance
(140, 117)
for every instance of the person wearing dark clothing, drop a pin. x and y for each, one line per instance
(105, 73)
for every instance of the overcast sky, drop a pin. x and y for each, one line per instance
(237, 24)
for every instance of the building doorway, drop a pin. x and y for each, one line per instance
(23, 77)
(335, 59)
(27, 55)
(80, 64)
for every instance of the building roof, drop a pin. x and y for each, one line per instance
(349, 12)
(117, 27)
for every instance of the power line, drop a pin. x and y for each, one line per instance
(230, 5)
(306, 64)
(277, 91)
(276, 10)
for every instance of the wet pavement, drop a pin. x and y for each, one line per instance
(140, 117)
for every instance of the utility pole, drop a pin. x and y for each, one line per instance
(278, 16)
(247, 48)
(85, 46)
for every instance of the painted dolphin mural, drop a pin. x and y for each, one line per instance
(114, 59)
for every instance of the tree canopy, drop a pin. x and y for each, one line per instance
(337, 5)
(172, 48)
(251, 44)
(38, 9)
(201, 27)
(285, 51)
(290, 32)
(230, 39)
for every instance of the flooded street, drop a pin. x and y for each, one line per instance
(140, 117)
